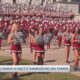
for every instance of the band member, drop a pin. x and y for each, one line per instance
(14, 40)
(0, 39)
(67, 43)
(47, 38)
(76, 47)
(1, 34)
(59, 37)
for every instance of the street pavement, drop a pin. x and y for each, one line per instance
(53, 56)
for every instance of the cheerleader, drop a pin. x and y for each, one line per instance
(34, 48)
(67, 43)
(39, 49)
(16, 50)
(31, 37)
(76, 47)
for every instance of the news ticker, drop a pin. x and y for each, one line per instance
(34, 68)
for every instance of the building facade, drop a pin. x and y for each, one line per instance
(66, 4)
(36, 1)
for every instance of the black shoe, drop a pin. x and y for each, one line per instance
(40, 61)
